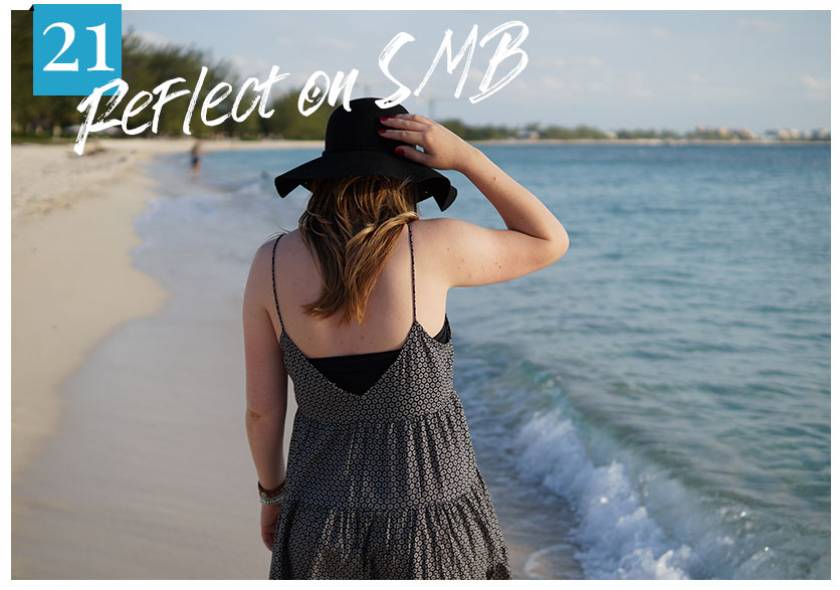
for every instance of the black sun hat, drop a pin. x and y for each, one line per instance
(354, 147)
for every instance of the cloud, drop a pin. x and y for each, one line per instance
(710, 87)
(574, 61)
(152, 38)
(589, 61)
(816, 88)
(568, 87)
(640, 92)
(247, 66)
(760, 25)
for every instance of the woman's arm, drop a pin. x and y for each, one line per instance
(471, 254)
(266, 385)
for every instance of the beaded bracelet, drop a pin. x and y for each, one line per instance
(270, 496)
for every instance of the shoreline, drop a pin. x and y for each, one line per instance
(652, 141)
(77, 289)
(65, 284)
(217, 144)
(72, 233)
(122, 491)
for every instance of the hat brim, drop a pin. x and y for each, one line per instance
(369, 163)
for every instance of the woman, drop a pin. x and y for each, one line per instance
(381, 479)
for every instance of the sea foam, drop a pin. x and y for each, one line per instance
(616, 535)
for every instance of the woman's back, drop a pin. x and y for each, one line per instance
(388, 315)
(357, 372)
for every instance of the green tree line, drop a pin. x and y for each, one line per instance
(146, 65)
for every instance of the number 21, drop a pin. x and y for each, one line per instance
(69, 35)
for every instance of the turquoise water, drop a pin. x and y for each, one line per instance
(663, 391)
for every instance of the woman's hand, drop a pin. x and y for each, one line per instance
(441, 148)
(268, 520)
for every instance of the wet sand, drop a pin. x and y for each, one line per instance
(112, 462)
(72, 277)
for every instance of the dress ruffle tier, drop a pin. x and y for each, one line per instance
(458, 539)
(399, 499)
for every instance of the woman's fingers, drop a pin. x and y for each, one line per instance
(412, 129)
(414, 137)
(415, 155)
(416, 118)
(401, 122)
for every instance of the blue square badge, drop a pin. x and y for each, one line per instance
(75, 48)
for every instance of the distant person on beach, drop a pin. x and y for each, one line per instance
(382, 480)
(195, 158)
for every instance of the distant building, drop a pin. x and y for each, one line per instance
(527, 134)
(744, 133)
(722, 133)
(789, 134)
(821, 134)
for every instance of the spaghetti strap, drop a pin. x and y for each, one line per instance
(413, 294)
(274, 283)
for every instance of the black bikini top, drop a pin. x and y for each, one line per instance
(357, 373)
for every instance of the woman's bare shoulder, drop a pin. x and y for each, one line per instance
(438, 227)
(441, 233)
(266, 249)
(261, 267)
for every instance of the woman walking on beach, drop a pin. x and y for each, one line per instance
(382, 480)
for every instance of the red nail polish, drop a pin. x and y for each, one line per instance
(397, 150)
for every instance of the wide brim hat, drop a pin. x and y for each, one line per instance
(354, 147)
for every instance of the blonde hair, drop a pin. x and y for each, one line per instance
(351, 224)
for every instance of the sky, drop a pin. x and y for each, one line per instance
(610, 69)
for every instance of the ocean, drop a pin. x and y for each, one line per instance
(654, 405)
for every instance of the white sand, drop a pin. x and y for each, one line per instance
(72, 279)
(97, 491)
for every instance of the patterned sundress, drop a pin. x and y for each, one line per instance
(384, 485)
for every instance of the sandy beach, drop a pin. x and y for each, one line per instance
(130, 455)
(73, 285)
(71, 274)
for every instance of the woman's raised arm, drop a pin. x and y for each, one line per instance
(471, 254)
